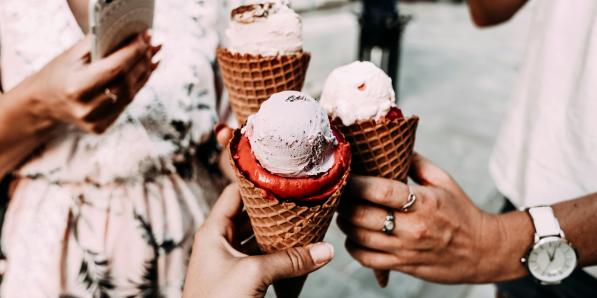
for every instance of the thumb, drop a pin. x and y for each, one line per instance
(424, 172)
(223, 134)
(295, 262)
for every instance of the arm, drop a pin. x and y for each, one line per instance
(71, 90)
(492, 12)
(577, 220)
(80, 12)
(20, 131)
(445, 238)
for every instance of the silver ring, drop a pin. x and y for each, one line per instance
(389, 223)
(412, 199)
(111, 95)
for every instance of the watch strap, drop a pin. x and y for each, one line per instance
(546, 223)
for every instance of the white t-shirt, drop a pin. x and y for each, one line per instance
(547, 150)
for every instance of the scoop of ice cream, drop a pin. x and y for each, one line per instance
(268, 29)
(358, 91)
(291, 136)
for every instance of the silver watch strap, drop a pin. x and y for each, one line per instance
(546, 223)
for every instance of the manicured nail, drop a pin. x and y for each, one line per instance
(219, 127)
(156, 49)
(154, 65)
(147, 36)
(321, 253)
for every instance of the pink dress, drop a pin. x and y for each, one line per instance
(113, 215)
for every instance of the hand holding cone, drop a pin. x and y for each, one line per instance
(291, 168)
(360, 99)
(382, 149)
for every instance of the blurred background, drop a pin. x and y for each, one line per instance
(457, 78)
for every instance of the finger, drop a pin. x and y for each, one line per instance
(226, 209)
(103, 125)
(294, 262)
(375, 240)
(364, 215)
(371, 258)
(385, 192)
(135, 78)
(155, 49)
(143, 80)
(424, 172)
(143, 69)
(103, 107)
(105, 70)
(223, 134)
(82, 48)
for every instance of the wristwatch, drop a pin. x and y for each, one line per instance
(552, 257)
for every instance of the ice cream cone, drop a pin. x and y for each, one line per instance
(252, 79)
(382, 149)
(279, 225)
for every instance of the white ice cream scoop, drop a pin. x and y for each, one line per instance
(268, 28)
(359, 91)
(291, 136)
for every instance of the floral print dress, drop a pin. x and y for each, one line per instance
(113, 215)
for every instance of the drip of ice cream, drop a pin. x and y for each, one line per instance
(269, 28)
(291, 136)
(359, 91)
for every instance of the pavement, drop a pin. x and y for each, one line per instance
(458, 80)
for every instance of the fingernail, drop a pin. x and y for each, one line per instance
(155, 65)
(219, 127)
(147, 36)
(156, 49)
(321, 252)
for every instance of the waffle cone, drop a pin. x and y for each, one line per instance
(252, 79)
(382, 149)
(280, 225)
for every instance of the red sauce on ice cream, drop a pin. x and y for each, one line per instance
(394, 113)
(305, 189)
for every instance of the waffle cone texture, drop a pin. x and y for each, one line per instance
(382, 149)
(252, 79)
(279, 224)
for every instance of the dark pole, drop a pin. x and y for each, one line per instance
(381, 27)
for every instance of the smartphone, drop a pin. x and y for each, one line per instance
(113, 22)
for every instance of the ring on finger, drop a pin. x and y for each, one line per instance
(111, 95)
(389, 223)
(412, 199)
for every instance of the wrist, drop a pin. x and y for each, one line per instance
(510, 237)
(30, 108)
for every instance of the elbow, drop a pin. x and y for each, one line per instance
(483, 20)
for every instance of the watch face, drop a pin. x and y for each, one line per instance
(552, 259)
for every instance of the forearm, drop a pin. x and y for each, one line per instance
(21, 131)
(492, 12)
(578, 220)
(516, 232)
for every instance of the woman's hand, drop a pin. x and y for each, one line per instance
(91, 96)
(224, 135)
(218, 269)
(442, 238)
